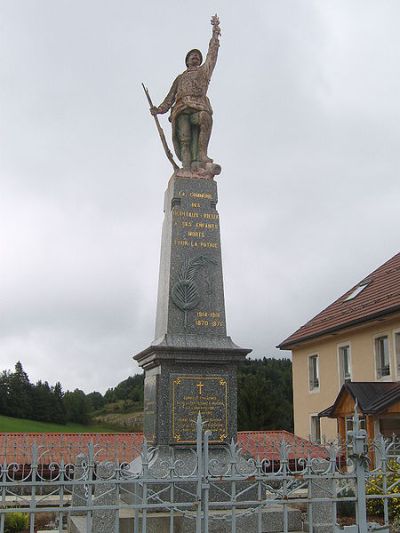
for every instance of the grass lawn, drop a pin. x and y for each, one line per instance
(21, 425)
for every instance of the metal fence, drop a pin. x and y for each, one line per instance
(102, 488)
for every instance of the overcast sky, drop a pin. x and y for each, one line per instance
(306, 128)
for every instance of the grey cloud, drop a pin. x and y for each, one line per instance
(306, 120)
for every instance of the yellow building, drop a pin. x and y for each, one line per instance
(355, 339)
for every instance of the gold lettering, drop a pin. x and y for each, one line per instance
(201, 195)
(205, 225)
(212, 216)
(195, 204)
(188, 214)
(208, 245)
(199, 234)
(180, 242)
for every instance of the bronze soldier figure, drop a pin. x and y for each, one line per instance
(191, 112)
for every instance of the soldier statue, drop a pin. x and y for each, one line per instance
(191, 112)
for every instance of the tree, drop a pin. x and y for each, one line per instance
(129, 389)
(96, 400)
(20, 393)
(5, 393)
(76, 407)
(265, 395)
(58, 413)
(42, 398)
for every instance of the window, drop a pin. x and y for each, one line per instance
(382, 357)
(315, 435)
(357, 291)
(313, 372)
(397, 349)
(344, 364)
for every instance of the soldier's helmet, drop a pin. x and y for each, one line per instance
(191, 52)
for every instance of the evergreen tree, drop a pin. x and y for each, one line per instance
(96, 400)
(76, 407)
(58, 413)
(42, 398)
(265, 395)
(20, 393)
(5, 393)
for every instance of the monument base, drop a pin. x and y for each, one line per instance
(190, 367)
(271, 520)
(183, 379)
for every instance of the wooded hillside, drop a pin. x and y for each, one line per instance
(264, 399)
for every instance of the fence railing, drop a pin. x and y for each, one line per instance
(99, 488)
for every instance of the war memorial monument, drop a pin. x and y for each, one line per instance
(190, 367)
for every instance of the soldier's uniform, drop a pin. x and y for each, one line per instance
(191, 112)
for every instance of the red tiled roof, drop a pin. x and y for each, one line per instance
(267, 444)
(381, 296)
(121, 447)
(17, 447)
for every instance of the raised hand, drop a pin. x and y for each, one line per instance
(215, 25)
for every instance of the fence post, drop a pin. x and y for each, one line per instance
(205, 491)
(199, 444)
(358, 454)
(35, 464)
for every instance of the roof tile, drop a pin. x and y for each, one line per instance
(125, 447)
(381, 296)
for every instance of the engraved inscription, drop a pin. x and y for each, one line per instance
(206, 318)
(196, 234)
(194, 244)
(192, 394)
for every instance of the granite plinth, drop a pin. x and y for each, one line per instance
(184, 460)
(190, 289)
(104, 520)
(211, 389)
(271, 520)
(322, 512)
(79, 497)
(190, 367)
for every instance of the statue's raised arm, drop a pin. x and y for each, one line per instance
(213, 47)
(191, 112)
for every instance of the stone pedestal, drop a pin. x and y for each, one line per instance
(191, 365)
(105, 520)
(322, 513)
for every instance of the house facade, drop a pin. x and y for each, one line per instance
(355, 339)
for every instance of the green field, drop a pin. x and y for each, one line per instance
(20, 425)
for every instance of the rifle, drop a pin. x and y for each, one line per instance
(161, 132)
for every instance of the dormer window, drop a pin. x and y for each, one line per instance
(357, 291)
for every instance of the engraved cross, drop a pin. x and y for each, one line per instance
(200, 387)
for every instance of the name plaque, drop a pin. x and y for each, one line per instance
(196, 393)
